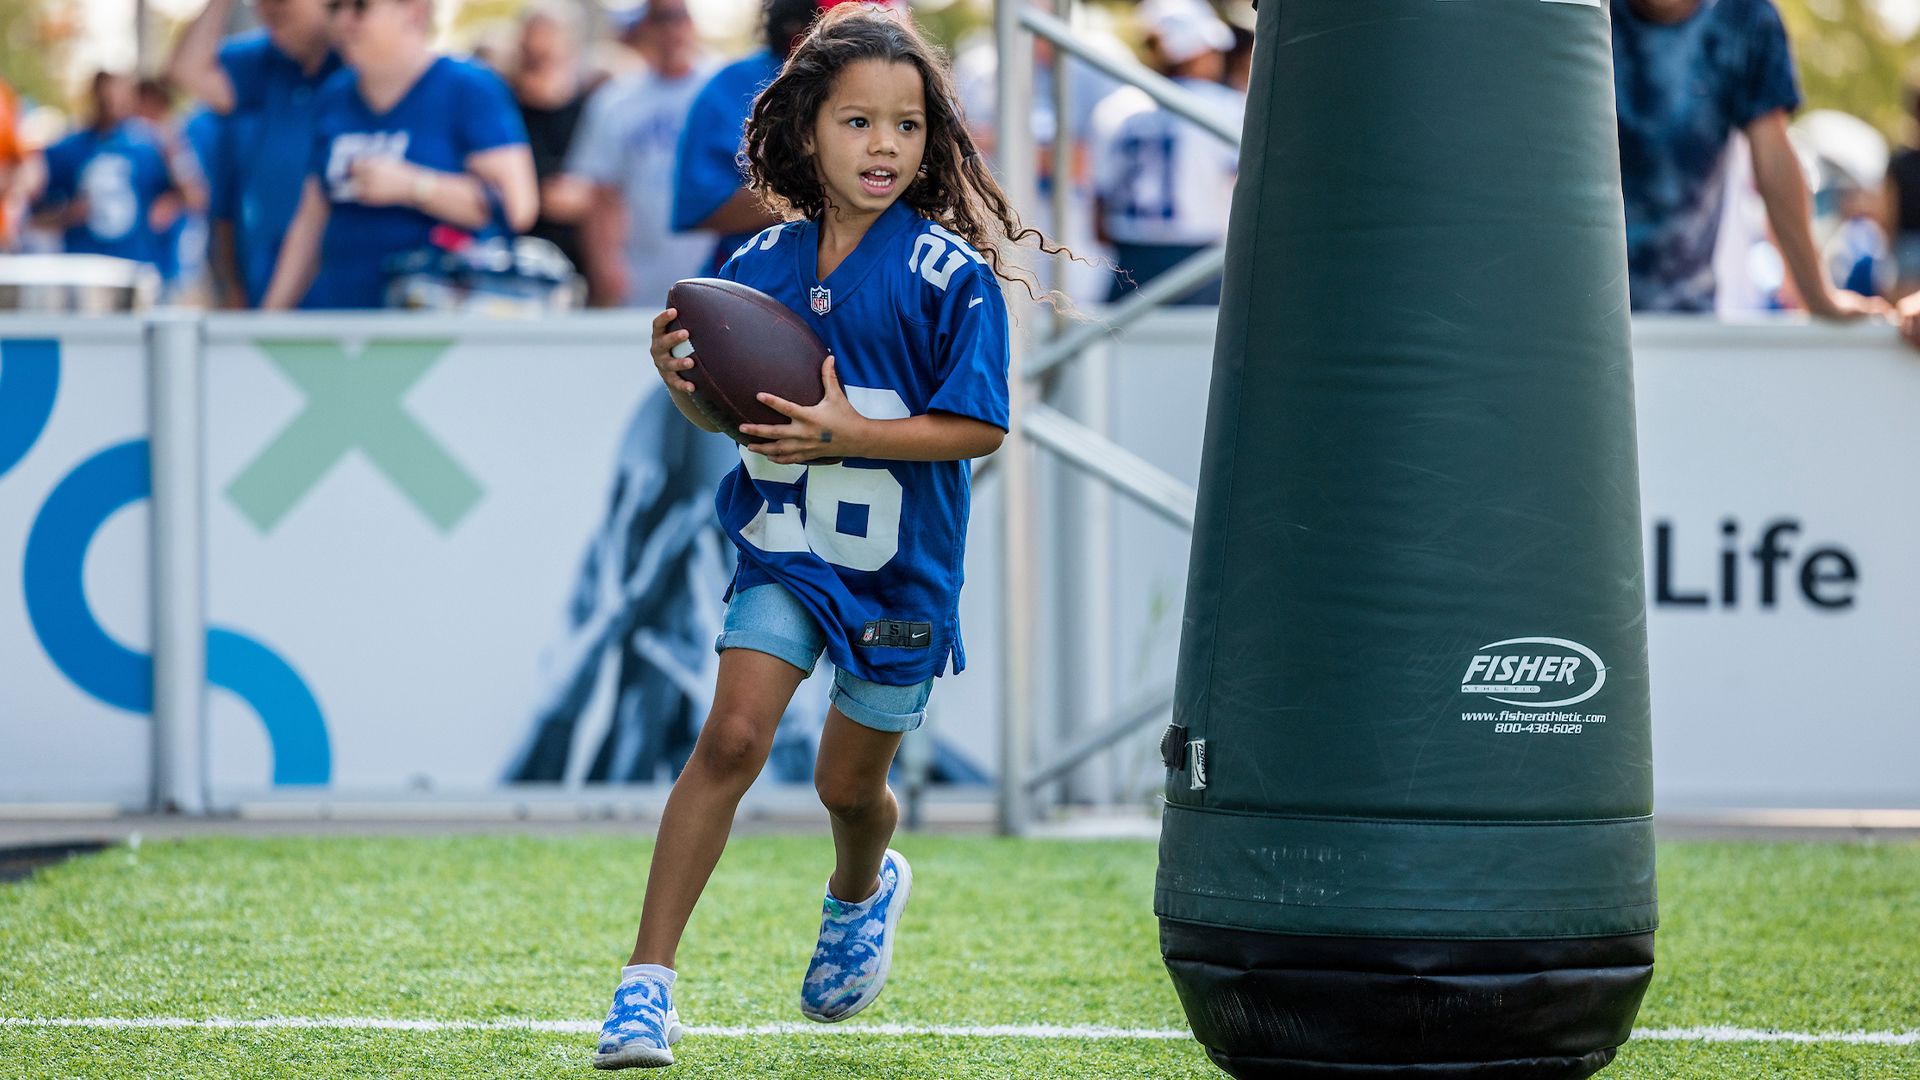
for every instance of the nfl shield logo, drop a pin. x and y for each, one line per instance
(821, 298)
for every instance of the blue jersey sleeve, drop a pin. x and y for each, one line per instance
(763, 241)
(971, 350)
(1771, 82)
(63, 171)
(247, 60)
(487, 116)
(706, 168)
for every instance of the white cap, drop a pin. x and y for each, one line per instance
(1185, 29)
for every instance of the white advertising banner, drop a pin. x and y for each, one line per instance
(460, 559)
(1783, 564)
(76, 670)
(452, 559)
(1783, 552)
(405, 520)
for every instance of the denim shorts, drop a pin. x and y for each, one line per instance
(767, 619)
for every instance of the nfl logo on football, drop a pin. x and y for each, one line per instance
(822, 299)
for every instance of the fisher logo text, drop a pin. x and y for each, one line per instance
(1535, 672)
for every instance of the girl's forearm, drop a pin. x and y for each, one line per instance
(932, 437)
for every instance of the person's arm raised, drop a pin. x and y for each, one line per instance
(194, 65)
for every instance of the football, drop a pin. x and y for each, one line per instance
(744, 343)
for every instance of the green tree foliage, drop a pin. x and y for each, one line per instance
(1850, 60)
(33, 45)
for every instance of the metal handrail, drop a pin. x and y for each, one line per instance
(1037, 424)
(1122, 469)
(1177, 99)
(1142, 712)
(1182, 277)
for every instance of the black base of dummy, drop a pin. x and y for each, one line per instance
(1286, 1006)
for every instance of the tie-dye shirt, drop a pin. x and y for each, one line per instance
(1682, 90)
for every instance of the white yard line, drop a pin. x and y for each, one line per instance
(984, 1031)
(1723, 1033)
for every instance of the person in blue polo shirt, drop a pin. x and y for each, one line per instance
(264, 83)
(110, 188)
(405, 140)
(710, 187)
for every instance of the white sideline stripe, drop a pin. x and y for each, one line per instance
(1723, 1034)
(585, 1027)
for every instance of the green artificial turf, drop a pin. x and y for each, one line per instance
(1794, 937)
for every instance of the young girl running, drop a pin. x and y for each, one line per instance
(890, 256)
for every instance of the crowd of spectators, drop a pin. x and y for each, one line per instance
(290, 164)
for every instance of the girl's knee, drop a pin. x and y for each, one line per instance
(731, 747)
(848, 797)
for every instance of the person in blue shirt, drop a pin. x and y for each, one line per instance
(207, 133)
(264, 83)
(110, 188)
(1687, 75)
(153, 106)
(709, 188)
(405, 140)
(850, 519)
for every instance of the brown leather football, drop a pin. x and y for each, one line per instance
(745, 343)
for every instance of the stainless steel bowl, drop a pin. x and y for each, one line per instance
(87, 284)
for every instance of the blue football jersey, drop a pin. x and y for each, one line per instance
(707, 164)
(874, 549)
(120, 174)
(454, 110)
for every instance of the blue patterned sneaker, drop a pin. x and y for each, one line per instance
(641, 1027)
(856, 946)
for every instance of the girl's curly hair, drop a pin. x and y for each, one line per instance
(954, 187)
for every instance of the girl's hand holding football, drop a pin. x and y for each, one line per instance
(830, 429)
(668, 365)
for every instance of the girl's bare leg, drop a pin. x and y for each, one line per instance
(851, 777)
(753, 690)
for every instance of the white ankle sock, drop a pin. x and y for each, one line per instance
(849, 909)
(633, 971)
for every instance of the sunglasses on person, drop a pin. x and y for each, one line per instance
(358, 7)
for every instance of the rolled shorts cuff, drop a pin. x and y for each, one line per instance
(897, 709)
(800, 654)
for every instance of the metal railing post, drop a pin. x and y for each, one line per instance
(1014, 152)
(1084, 446)
(174, 379)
